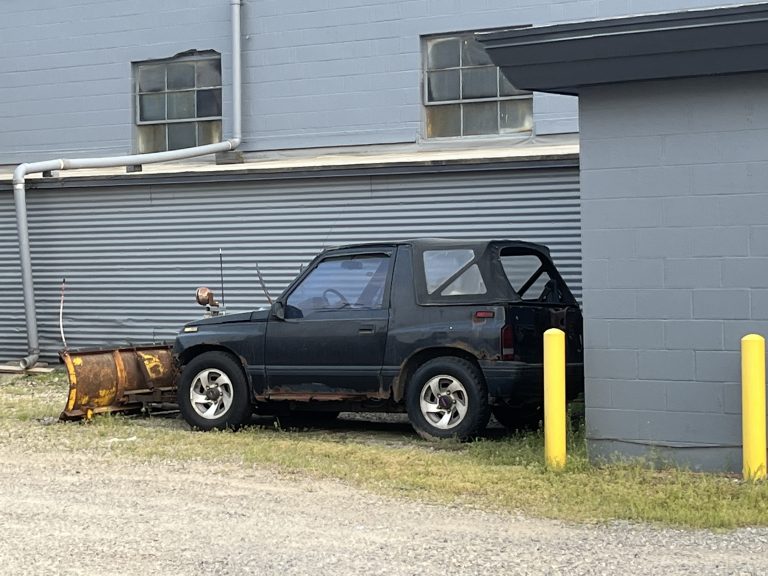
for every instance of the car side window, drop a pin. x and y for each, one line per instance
(356, 282)
(449, 273)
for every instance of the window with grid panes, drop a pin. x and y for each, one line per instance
(178, 102)
(466, 95)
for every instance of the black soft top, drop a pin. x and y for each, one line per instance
(479, 246)
(487, 258)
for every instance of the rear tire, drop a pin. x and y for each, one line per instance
(213, 392)
(447, 398)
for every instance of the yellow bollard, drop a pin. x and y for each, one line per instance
(554, 398)
(753, 406)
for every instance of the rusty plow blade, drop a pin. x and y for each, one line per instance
(118, 379)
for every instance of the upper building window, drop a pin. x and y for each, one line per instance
(466, 95)
(178, 102)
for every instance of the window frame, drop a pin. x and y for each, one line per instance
(194, 56)
(461, 102)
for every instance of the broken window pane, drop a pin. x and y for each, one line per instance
(479, 82)
(181, 89)
(473, 53)
(449, 81)
(443, 53)
(507, 89)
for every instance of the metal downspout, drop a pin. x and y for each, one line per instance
(19, 175)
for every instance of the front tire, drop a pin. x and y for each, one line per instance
(447, 398)
(213, 393)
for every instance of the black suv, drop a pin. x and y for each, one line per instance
(447, 330)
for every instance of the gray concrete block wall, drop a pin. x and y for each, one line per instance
(337, 73)
(674, 178)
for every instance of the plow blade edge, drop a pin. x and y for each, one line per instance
(118, 379)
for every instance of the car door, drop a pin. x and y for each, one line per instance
(331, 339)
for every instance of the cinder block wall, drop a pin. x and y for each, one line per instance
(675, 242)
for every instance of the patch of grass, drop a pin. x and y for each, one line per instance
(504, 474)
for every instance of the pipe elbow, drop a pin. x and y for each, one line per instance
(28, 361)
(20, 173)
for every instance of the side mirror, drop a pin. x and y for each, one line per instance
(278, 310)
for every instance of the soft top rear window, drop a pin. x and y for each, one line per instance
(520, 270)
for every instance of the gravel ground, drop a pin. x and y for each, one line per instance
(73, 514)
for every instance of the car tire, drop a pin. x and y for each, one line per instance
(213, 392)
(518, 418)
(447, 398)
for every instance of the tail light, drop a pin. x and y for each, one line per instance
(507, 343)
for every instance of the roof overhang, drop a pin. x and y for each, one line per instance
(566, 58)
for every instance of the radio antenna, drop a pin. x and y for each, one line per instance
(263, 285)
(221, 274)
(61, 313)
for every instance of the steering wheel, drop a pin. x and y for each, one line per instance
(334, 292)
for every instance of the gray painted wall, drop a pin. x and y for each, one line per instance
(675, 262)
(343, 72)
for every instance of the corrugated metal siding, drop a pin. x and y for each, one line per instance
(133, 255)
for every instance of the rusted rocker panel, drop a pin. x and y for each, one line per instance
(118, 379)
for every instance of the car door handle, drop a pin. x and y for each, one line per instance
(367, 329)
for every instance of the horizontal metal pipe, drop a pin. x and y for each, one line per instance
(110, 161)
